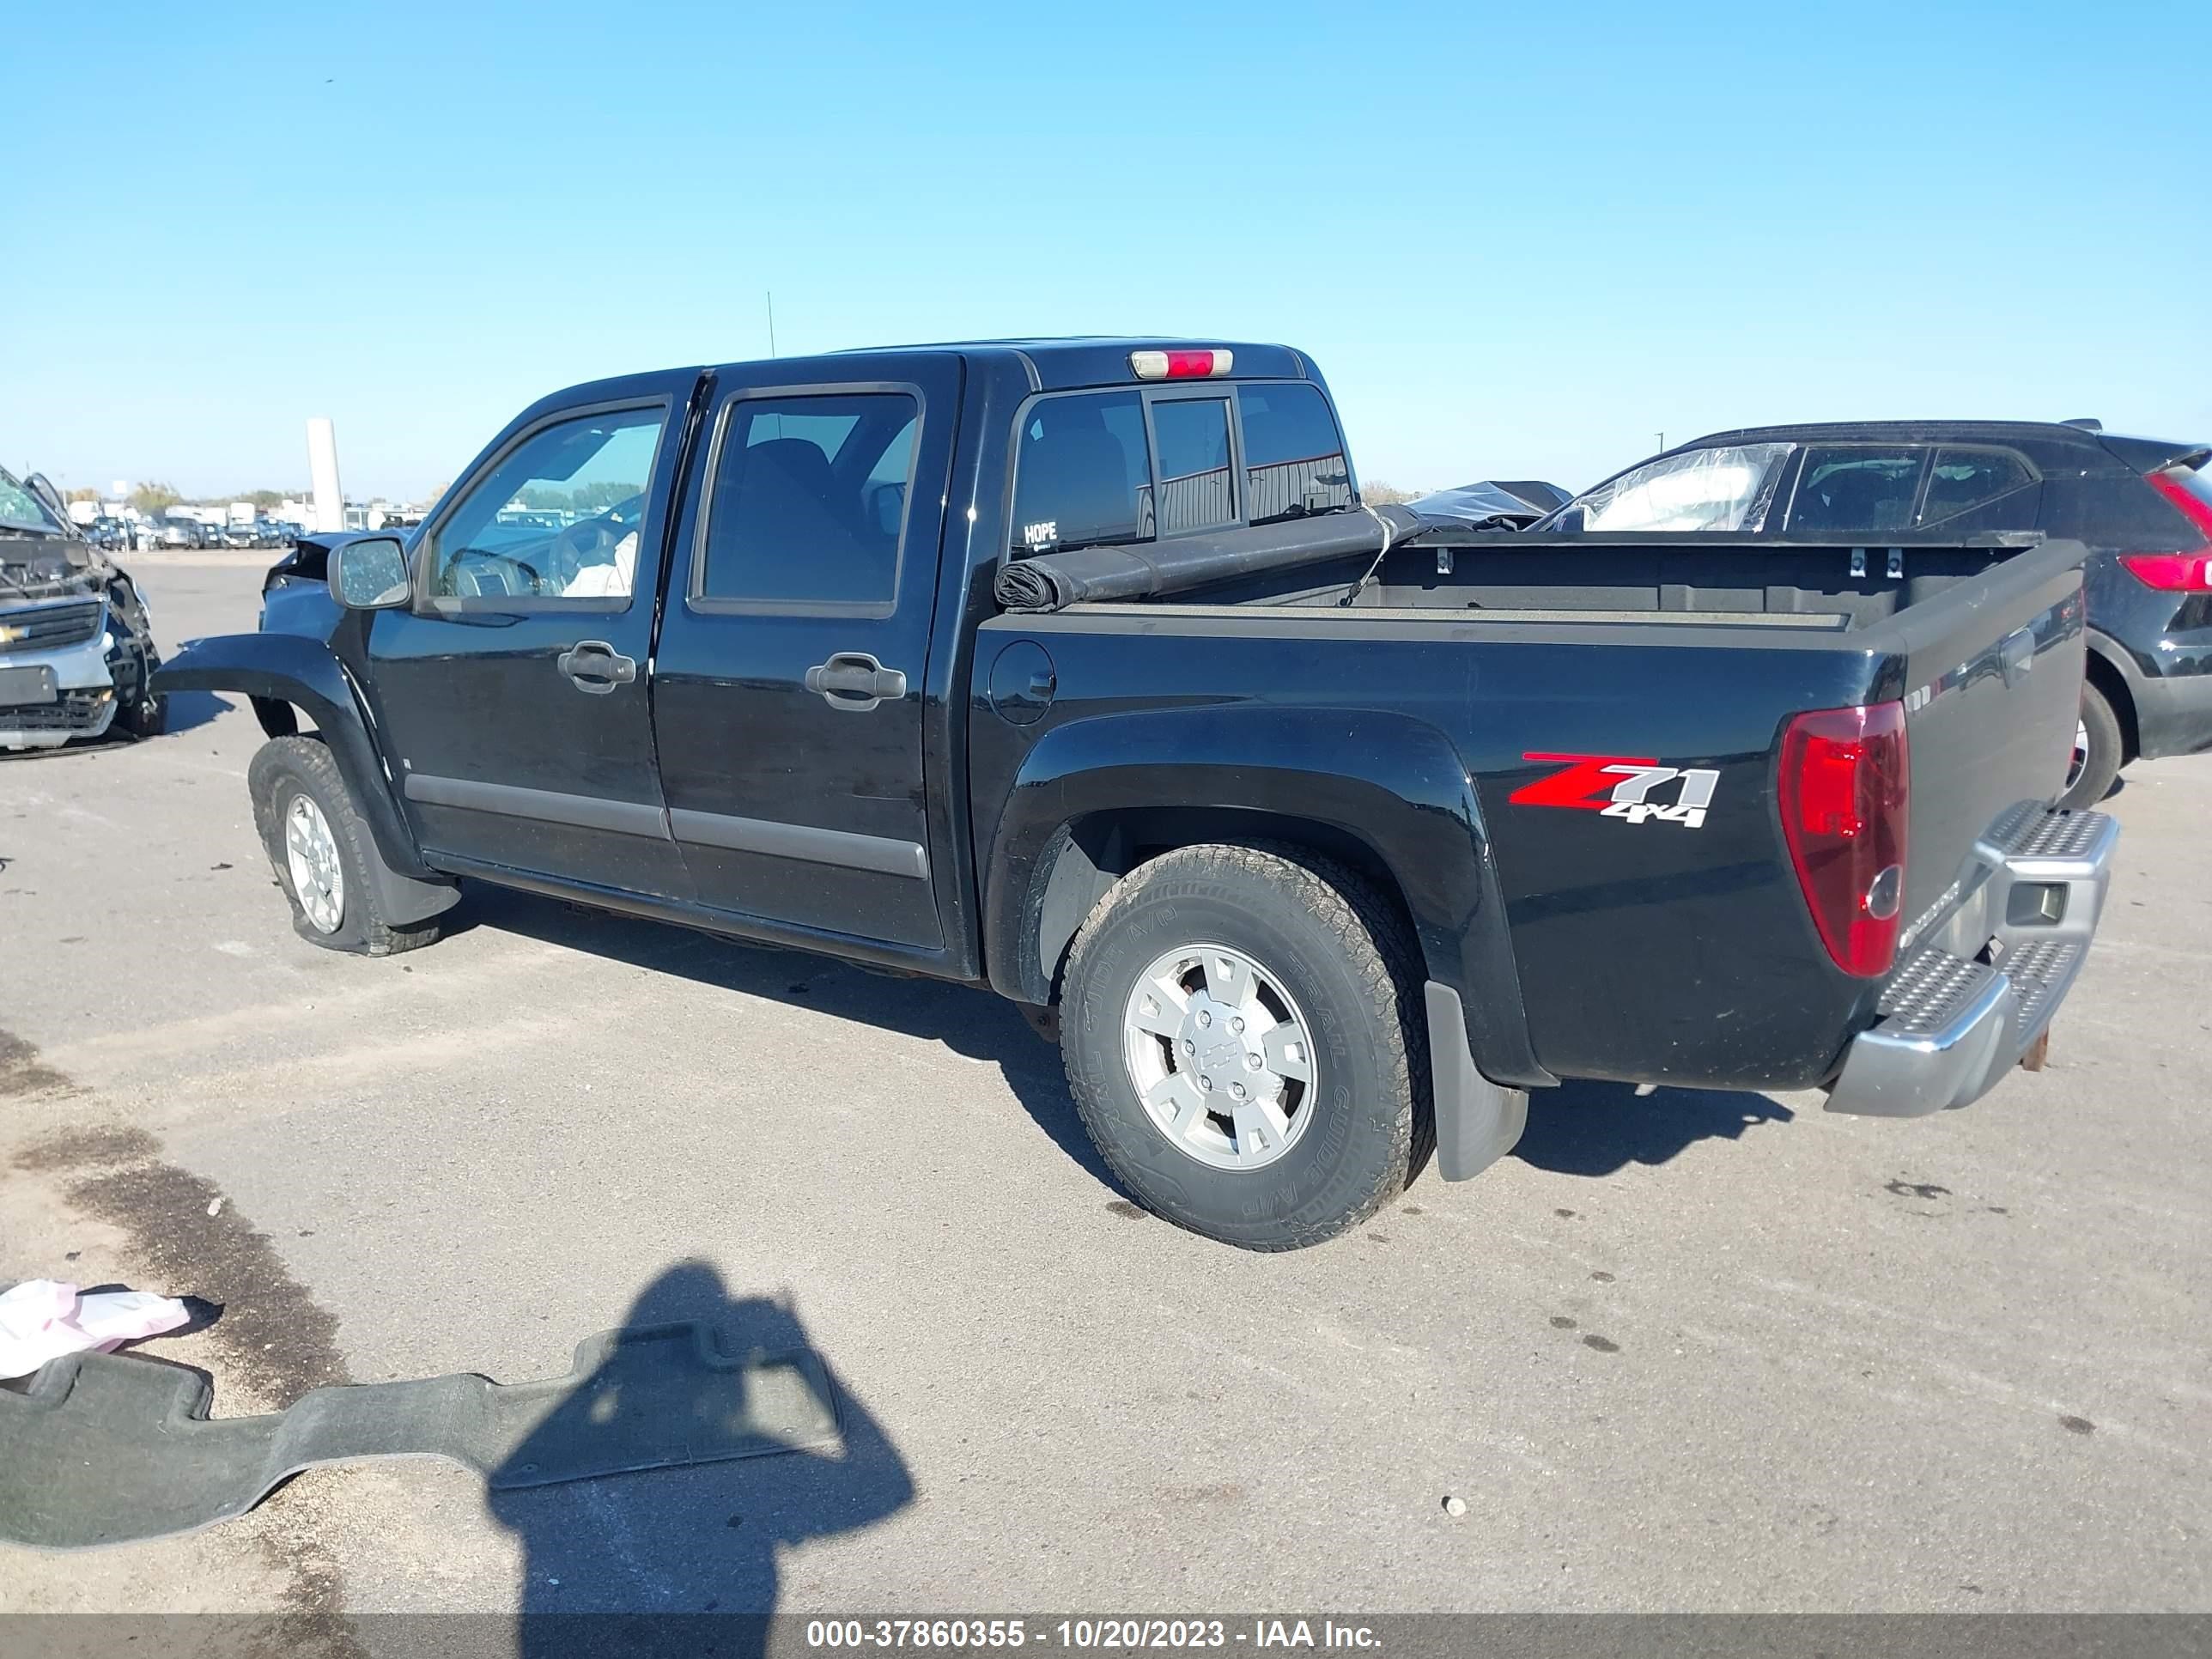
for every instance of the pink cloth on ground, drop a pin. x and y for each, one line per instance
(43, 1319)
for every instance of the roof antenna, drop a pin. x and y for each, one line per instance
(771, 321)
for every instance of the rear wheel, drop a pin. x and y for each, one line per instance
(1244, 1039)
(320, 848)
(2099, 750)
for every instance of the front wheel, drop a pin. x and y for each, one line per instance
(1244, 1038)
(145, 715)
(320, 845)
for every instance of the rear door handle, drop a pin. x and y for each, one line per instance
(2016, 652)
(855, 681)
(595, 666)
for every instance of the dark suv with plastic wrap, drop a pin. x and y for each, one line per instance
(2143, 506)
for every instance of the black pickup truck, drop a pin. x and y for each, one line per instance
(1320, 834)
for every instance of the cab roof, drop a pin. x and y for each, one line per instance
(1085, 360)
(1048, 365)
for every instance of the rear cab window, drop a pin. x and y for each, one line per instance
(1118, 467)
(1294, 460)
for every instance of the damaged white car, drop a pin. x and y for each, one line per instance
(76, 646)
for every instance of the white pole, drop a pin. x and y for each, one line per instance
(323, 469)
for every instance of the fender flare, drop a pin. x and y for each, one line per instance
(294, 669)
(1394, 784)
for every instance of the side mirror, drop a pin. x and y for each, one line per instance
(369, 573)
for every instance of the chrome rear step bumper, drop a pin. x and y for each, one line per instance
(1976, 994)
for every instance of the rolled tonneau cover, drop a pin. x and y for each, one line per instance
(1141, 570)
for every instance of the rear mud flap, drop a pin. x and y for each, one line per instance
(1478, 1122)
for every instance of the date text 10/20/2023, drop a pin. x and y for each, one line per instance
(1090, 1635)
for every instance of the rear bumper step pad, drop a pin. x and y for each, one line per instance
(1951, 1026)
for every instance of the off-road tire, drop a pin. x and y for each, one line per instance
(286, 767)
(1350, 961)
(2107, 751)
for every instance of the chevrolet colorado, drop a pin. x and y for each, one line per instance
(1319, 833)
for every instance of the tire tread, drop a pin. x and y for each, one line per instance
(1384, 957)
(310, 760)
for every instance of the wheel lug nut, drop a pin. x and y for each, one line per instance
(1188, 1047)
(1238, 1092)
(1206, 1084)
(1237, 1022)
(1252, 1062)
(1205, 1018)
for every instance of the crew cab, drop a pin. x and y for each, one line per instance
(1319, 833)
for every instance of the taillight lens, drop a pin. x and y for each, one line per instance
(1844, 780)
(2172, 573)
(2174, 484)
(2177, 573)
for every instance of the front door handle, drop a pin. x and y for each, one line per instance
(595, 666)
(854, 680)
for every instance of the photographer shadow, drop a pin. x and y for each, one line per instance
(684, 1561)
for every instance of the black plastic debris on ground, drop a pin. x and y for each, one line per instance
(105, 1449)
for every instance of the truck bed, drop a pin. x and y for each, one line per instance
(1633, 941)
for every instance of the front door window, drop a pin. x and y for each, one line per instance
(560, 519)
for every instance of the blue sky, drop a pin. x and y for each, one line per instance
(1520, 241)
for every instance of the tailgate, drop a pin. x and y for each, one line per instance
(1992, 689)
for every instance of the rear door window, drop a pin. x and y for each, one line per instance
(1995, 487)
(1855, 490)
(1294, 460)
(807, 506)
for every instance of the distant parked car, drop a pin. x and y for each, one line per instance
(2143, 505)
(181, 532)
(240, 535)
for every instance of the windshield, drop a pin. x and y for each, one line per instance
(21, 510)
(1701, 489)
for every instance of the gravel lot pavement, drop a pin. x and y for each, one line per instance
(1695, 1351)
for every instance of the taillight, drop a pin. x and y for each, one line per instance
(2194, 508)
(2172, 573)
(1182, 365)
(1844, 781)
(2176, 572)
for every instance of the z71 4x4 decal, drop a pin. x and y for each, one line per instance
(1618, 786)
